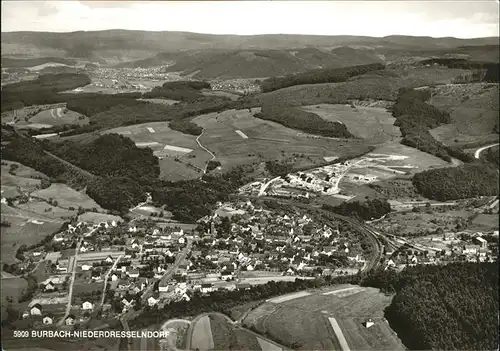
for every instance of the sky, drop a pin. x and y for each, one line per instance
(461, 19)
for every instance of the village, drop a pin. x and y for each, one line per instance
(103, 271)
(462, 246)
(107, 269)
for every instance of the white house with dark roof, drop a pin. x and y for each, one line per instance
(36, 310)
(70, 320)
(87, 306)
(47, 320)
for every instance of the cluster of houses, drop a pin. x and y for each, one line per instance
(247, 238)
(122, 265)
(243, 86)
(451, 247)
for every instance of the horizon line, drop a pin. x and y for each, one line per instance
(246, 35)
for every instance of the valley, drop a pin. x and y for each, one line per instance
(275, 192)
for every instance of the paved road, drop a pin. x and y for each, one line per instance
(264, 186)
(106, 278)
(73, 273)
(207, 150)
(70, 293)
(170, 271)
(478, 151)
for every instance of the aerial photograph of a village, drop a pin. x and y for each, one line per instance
(249, 175)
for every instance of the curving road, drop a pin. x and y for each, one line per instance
(478, 151)
(207, 150)
(264, 186)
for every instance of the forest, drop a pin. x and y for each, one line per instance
(40, 91)
(450, 307)
(415, 118)
(276, 168)
(366, 210)
(308, 122)
(317, 76)
(110, 155)
(185, 126)
(181, 90)
(465, 181)
(492, 155)
(192, 199)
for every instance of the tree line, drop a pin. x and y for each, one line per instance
(317, 76)
(308, 122)
(181, 90)
(415, 117)
(465, 181)
(366, 210)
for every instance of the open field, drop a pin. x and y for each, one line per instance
(289, 297)
(227, 337)
(95, 217)
(167, 145)
(232, 96)
(10, 182)
(49, 211)
(83, 287)
(266, 141)
(12, 287)
(66, 197)
(202, 338)
(31, 221)
(22, 170)
(473, 110)
(167, 102)
(23, 115)
(26, 228)
(304, 322)
(486, 222)
(419, 160)
(373, 123)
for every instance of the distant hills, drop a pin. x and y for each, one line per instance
(228, 56)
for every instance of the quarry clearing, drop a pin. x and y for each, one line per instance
(266, 140)
(306, 321)
(371, 123)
